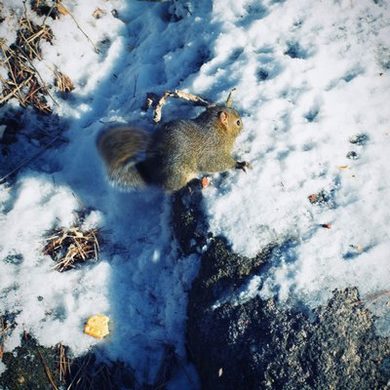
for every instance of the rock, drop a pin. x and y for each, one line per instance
(359, 139)
(352, 155)
(258, 344)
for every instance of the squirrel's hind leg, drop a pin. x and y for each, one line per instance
(176, 180)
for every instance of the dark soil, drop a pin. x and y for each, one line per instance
(32, 366)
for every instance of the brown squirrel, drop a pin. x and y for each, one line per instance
(175, 153)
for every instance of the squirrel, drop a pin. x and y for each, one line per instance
(175, 153)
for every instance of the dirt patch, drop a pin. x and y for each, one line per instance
(260, 344)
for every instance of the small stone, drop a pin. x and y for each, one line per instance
(326, 225)
(313, 198)
(262, 74)
(359, 139)
(352, 155)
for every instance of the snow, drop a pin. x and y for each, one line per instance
(309, 76)
(309, 79)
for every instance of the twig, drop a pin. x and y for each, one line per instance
(49, 13)
(83, 365)
(3, 330)
(13, 92)
(175, 94)
(47, 371)
(135, 85)
(78, 26)
(27, 41)
(28, 160)
(229, 100)
(9, 50)
(73, 245)
(25, 14)
(64, 366)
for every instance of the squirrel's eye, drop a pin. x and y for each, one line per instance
(238, 122)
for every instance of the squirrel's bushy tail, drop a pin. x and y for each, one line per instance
(121, 148)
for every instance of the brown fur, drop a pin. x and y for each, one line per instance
(176, 153)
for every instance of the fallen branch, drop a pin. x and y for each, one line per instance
(178, 94)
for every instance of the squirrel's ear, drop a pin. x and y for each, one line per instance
(223, 117)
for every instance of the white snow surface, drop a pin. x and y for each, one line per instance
(309, 76)
(327, 83)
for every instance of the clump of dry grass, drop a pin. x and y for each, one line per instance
(23, 81)
(69, 246)
(63, 82)
(29, 36)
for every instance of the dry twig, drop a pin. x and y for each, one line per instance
(70, 246)
(79, 374)
(66, 10)
(47, 370)
(152, 101)
(63, 363)
(4, 327)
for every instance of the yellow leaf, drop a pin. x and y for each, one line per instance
(97, 326)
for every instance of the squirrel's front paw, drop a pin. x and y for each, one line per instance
(244, 165)
(205, 182)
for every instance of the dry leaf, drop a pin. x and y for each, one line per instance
(313, 198)
(97, 326)
(63, 82)
(98, 13)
